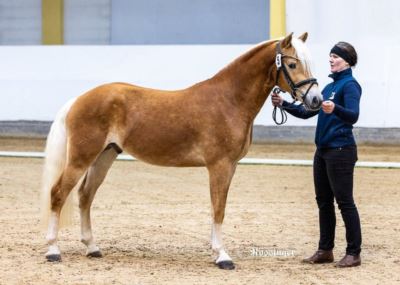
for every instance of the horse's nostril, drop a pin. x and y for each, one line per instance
(315, 103)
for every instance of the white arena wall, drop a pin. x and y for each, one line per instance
(35, 81)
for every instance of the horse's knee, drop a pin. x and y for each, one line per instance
(218, 204)
(219, 216)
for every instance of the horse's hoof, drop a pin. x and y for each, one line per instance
(53, 257)
(227, 265)
(95, 254)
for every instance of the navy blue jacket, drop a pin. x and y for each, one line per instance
(335, 129)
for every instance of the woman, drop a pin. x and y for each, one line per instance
(335, 156)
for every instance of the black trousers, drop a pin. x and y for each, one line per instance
(333, 179)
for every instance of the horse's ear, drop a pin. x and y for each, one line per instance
(303, 37)
(287, 41)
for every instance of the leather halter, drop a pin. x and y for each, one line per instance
(295, 87)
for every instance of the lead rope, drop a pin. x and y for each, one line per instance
(283, 120)
(277, 90)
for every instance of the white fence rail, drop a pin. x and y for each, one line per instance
(251, 161)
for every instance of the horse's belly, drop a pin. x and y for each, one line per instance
(167, 157)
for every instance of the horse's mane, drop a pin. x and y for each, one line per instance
(243, 58)
(250, 53)
(303, 53)
(301, 50)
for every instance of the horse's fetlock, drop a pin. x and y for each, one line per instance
(86, 240)
(51, 238)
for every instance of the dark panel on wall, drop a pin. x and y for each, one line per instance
(87, 22)
(189, 22)
(20, 22)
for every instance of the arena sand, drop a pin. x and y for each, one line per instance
(153, 224)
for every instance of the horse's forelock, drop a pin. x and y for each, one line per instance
(303, 53)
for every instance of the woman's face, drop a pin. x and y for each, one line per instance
(337, 63)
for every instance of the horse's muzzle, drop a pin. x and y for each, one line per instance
(313, 100)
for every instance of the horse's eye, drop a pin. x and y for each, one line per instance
(292, 65)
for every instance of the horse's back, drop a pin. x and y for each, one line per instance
(179, 128)
(151, 124)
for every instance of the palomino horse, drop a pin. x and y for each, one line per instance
(208, 124)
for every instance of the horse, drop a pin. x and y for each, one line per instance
(208, 125)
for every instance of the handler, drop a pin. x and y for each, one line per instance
(335, 156)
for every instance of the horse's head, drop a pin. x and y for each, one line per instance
(294, 73)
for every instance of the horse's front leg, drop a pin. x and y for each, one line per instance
(221, 174)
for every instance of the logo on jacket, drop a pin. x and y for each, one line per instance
(332, 96)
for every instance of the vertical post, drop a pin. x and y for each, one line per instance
(52, 22)
(277, 18)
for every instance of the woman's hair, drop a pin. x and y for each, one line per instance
(346, 51)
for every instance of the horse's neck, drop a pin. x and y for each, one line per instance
(249, 79)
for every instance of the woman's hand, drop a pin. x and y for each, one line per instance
(276, 100)
(328, 106)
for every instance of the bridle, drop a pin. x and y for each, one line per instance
(295, 87)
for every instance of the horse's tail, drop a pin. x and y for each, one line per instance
(55, 159)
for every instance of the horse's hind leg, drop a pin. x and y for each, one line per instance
(80, 155)
(221, 175)
(59, 193)
(94, 177)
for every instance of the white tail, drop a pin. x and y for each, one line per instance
(56, 155)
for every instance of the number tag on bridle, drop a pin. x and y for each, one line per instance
(278, 60)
